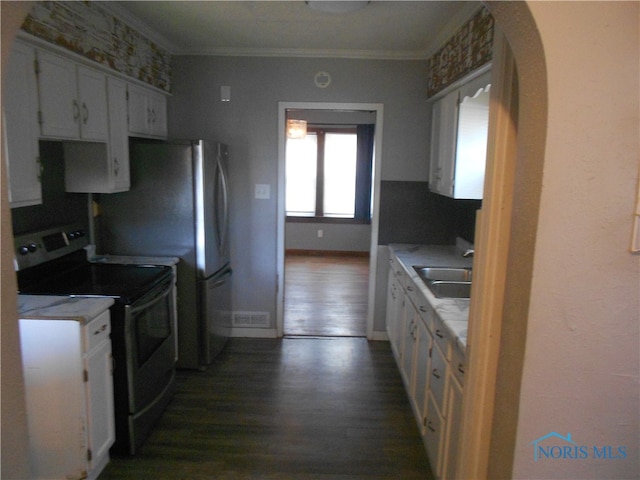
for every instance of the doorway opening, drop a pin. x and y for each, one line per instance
(327, 231)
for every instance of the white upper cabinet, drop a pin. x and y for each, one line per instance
(73, 100)
(460, 122)
(20, 132)
(97, 167)
(118, 135)
(147, 112)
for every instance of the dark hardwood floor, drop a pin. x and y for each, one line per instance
(326, 295)
(294, 408)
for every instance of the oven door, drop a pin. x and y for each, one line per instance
(150, 341)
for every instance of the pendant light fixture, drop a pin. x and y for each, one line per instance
(296, 128)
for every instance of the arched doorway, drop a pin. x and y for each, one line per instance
(518, 25)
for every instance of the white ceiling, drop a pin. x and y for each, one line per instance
(382, 29)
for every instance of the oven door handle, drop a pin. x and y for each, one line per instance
(156, 299)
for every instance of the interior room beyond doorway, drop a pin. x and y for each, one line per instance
(326, 295)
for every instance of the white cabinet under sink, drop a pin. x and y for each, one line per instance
(431, 364)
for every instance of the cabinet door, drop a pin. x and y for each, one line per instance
(423, 364)
(435, 425)
(147, 112)
(444, 121)
(138, 104)
(409, 339)
(452, 435)
(92, 102)
(55, 400)
(21, 128)
(99, 391)
(59, 108)
(118, 136)
(157, 114)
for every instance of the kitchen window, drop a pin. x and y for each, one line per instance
(328, 175)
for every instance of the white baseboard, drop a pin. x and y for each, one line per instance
(380, 336)
(254, 332)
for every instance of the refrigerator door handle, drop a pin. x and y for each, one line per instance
(222, 280)
(223, 226)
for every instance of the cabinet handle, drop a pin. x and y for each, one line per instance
(422, 309)
(85, 112)
(76, 111)
(116, 166)
(40, 168)
(438, 333)
(461, 368)
(435, 373)
(430, 427)
(410, 288)
(101, 329)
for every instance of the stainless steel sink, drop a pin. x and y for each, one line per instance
(448, 274)
(446, 282)
(444, 289)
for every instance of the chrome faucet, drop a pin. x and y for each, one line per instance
(468, 253)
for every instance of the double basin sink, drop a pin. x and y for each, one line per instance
(446, 282)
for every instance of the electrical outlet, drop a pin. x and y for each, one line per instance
(320, 234)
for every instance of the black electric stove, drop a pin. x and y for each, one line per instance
(54, 262)
(74, 275)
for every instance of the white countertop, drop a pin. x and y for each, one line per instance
(49, 307)
(454, 312)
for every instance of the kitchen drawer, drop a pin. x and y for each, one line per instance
(442, 337)
(96, 331)
(424, 308)
(399, 272)
(438, 378)
(458, 365)
(434, 435)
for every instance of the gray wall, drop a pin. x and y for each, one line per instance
(335, 237)
(249, 125)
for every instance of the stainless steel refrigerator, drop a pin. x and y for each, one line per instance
(178, 206)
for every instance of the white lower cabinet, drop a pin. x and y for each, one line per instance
(409, 340)
(422, 366)
(452, 434)
(431, 366)
(433, 437)
(69, 395)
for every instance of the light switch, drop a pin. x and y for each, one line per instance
(263, 191)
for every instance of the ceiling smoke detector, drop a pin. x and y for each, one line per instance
(329, 6)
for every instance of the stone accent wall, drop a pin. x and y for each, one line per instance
(468, 49)
(87, 29)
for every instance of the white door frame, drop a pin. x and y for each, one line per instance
(281, 214)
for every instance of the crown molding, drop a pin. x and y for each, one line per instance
(306, 53)
(445, 34)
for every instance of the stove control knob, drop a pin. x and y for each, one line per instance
(25, 249)
(76, 234)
